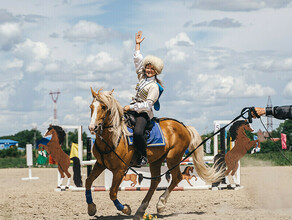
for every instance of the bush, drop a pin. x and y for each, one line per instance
(10, 152)
(270, 146)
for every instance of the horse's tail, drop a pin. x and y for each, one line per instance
(77, 171)
(208, 174)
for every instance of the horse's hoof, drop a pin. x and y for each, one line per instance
(160, 209)
(91, 209)
(127, 209)
(161, 205)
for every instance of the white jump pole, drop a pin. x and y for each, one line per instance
(29, 163)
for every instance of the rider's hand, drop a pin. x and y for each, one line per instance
(139, 38)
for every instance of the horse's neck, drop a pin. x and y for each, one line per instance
(54, 137)
(107, 136)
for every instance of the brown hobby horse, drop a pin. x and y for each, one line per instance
(54, 149)
(107, 114)
(242, 145)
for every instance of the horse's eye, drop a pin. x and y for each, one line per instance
(103, 107)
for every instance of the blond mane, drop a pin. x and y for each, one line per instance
(116, 117)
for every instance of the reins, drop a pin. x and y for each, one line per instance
(270, 136)
(141, 176)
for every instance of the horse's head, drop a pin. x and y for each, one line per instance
(56, 131)
(99, 110)
(49, 131)
(248, 127)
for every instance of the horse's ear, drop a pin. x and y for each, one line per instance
(112, 91)
(93, 93)
(99, 92)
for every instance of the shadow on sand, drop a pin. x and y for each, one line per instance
(121, 217)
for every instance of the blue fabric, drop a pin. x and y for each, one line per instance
(157, 104)
(44, 141)
(155, 139)
(88, 196)
(118, 205)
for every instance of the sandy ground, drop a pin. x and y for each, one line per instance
(267, 194)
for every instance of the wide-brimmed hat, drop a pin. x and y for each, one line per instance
(156, 62)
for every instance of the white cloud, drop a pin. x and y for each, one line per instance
(213, 88)
(10, 34)
(87, 30)
(182, 39)
(218, 23)
(288, 90)
(15, 63)
(238, 5)
(102, 62)
(80, 103)
(30, 50)
(175, 55)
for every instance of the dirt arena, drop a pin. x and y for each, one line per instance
(267, 194)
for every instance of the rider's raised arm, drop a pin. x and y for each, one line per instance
(138, 58)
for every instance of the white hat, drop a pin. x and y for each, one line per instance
(154, 61)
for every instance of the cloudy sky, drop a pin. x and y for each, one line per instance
(219, 57)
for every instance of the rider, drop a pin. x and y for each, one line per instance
(148, 90)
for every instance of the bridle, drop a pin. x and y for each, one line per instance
(100, 127)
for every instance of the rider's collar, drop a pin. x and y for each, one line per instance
(149, 79)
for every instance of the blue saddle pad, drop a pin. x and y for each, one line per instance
(155, 139)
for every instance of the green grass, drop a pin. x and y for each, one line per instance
(271, 158)
(13, 162)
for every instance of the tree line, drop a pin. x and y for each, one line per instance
(33, 136)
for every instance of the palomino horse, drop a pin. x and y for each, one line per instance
(242, 145)
(107, 122)
(54, 149)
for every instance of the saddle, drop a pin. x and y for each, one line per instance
(130, 120)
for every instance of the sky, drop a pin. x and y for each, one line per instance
(219, 57)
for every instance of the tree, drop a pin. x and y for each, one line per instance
(25, 137)
(73, 137)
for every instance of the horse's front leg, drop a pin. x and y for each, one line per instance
(155, 169)
(96, 171)
(117, 179)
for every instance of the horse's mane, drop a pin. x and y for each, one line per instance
(116, 115)
(60, 132)
(234, 127)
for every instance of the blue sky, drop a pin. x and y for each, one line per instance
(219, 56)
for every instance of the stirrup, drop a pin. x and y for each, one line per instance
(144, 161)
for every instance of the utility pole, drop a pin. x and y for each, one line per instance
(54, 96)
(269, 117)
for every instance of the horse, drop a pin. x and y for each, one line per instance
(242, 145)
(132, 177)
(53, 147)
(186, 174)
(107, 123)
